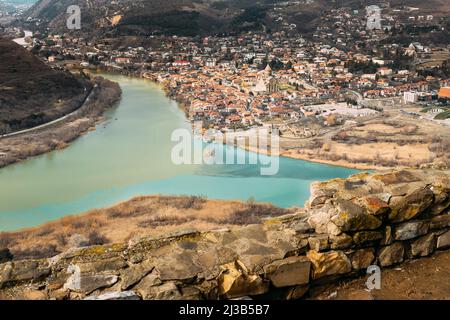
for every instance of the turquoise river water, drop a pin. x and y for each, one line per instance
(130, 155)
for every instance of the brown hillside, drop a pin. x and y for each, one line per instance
(31, 93)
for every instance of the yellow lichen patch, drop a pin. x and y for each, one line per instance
(375, 205)
(99, 250)
(359, 176)
(271, 222)
(397, 215)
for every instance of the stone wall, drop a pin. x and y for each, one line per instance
(348, 224)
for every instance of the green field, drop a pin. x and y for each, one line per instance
(443, 115)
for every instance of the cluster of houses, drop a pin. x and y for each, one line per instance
(247, 79)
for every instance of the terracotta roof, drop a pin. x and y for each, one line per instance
(444, 92)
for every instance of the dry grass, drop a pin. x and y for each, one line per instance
(394, 141)
(136, 218)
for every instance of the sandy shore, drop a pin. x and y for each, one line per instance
(299, 156)
(338, 163)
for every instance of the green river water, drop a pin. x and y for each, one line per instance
(130, 155)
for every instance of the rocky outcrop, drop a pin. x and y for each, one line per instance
(348, 225)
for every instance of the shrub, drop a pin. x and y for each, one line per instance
(161, 220)
(6, 240)
(41, 252)
(44, 231)
(184, 202)
(253, 213)
(95, 238)
(61, 238)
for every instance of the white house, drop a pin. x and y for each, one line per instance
(410, 97)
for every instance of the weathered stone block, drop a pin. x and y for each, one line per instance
(391, 254)
(25, 270)
(191, 293)
(135, 273)
(351, 217)
(320, 220)
(440, 222)
(318, 242)
(342, 241)
(235, 282)
(165, 291)
(413, 204)
(86, 283)
(443, 240)
(301, 227)
(292, 271)
(177, 266)
(396, 177)
(34, 295)
(423, 246)
(112, 264)
(441, 195)
(58, 294)
(321, 191)
(374, 205)
(116, 295)
(362, 259)
(328, 263)
(5, 273)
(297, 292)
(367, 237)
(410, 230)
(150, 280)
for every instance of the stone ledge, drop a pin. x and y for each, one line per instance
(347, 226)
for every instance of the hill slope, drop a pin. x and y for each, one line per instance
(31, 93)
(197, 17)
(181, 17)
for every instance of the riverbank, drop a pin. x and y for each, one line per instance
(311, 158)
(130, 155)
(59, 134)
(370, 145)
(407, 150)
(390, 140)
(184, 105)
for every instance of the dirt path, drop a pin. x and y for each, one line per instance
(424, 279)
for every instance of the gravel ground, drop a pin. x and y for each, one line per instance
(424, 279)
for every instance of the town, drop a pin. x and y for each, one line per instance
(234, 151)
(347, 73)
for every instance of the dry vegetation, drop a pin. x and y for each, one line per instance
(373, 144)
(137, 218)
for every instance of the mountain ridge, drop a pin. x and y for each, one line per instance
(198, 17)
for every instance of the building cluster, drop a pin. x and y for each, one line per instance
(251, 78)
